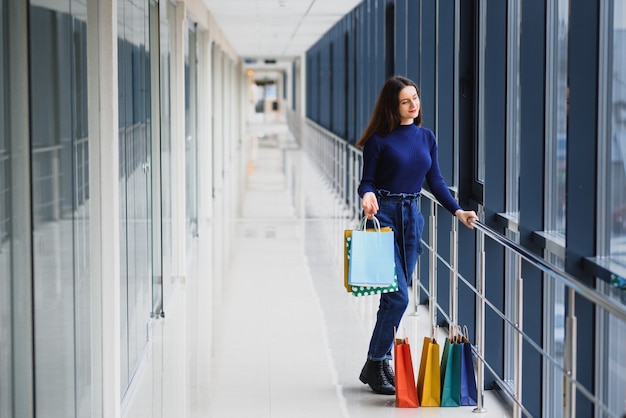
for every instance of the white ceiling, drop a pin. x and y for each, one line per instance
(276, 29)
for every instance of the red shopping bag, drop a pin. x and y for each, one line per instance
(406, 391)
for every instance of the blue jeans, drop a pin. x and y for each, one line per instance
(401, 213)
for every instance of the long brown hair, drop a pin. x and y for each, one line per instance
(386, 116)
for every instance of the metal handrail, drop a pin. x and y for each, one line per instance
(570, 281)
(592, 295)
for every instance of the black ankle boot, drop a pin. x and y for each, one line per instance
(373, 374)
(391, 376)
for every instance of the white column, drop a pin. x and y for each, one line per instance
(105, 217)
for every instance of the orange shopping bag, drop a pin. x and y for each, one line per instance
(406, 391)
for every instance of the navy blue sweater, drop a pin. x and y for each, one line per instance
(399, 162)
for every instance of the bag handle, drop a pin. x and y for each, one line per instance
(363, 224)
(401, 340)
(465, 334)
(435, 333)
(453, 333)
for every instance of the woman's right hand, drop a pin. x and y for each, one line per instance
(370, 205)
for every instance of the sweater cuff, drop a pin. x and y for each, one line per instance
(363, 190)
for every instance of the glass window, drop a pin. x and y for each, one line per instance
(191, 145)
(60, 208)
(153, 86)
(481, 44)
(513, 108)
(167, 13)
(617, 150)
(554, 339)
(557, 97)
(134, 188)
(512, 174)
(557, 105)
(614, 353)
(6, 409)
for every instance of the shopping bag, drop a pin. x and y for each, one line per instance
(347, 241)
(451, 373)
(369, 290)
(362, 290)
(406, 391)
(429, 380)
(372, 260)
(469, 395)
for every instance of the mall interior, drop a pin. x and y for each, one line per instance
(177, 178)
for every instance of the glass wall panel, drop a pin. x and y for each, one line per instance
(615, 331)
(155, 155)
(481, 43)
(6, 394)
(191, 145)
(557, 110)
(513, 108)
(554, 340)
(167, 14)
(60, 198)
(135, 197)
(617, 174)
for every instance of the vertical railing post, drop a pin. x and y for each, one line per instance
(517, 338)
(340, 166)
(416, 288)
(356, 204)
(324, 152)
(480, 322)
(415, 283)
(343, 146)
(432, 302)
(571, 340)
(417, 278)
(454, 272)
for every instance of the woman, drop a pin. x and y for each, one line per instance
(398, 155)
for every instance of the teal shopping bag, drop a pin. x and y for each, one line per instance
(451, 374)
(372, 259)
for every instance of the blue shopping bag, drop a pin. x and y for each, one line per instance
(372, 260)
(469, 395)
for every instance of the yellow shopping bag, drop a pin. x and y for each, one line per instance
(429, 377)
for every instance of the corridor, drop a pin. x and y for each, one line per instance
(290, 341)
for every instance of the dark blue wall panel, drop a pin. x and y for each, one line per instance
(413, 37)
(426, 83)
(324, 83)
(401, 39)
(445, 88)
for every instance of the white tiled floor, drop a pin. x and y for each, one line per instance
(288, 341)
